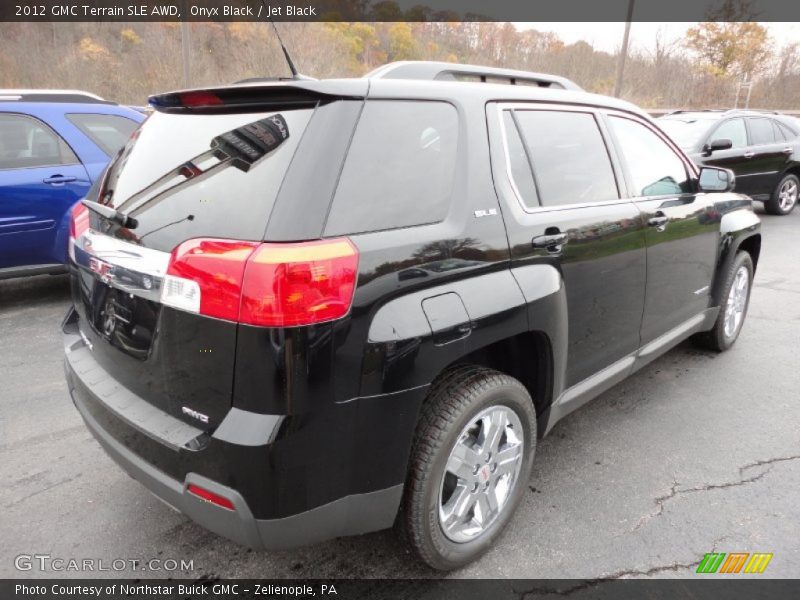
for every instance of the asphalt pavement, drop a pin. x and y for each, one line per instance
(698, 452)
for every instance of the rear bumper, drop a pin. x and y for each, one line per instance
(127, 429)
(359, 513)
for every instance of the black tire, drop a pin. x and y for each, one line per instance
(774, 205)
(717, 338)
(455, 399)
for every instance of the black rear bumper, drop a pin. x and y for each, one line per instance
(166, 455)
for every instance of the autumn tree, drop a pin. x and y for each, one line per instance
(730, 49)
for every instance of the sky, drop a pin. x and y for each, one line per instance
(608, 36)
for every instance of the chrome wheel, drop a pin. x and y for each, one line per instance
(481, 473)
(737, 302)
(787, 195)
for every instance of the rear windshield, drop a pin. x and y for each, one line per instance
(181, 176)
(109, 132)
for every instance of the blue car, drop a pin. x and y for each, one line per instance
(53, 146)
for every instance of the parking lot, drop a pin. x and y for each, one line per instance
(697, 452)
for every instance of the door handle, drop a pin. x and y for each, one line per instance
(552, 242)
(56, 179)
(788, 150)
(749, 154)
(659, 221)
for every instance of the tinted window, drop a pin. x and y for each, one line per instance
(761, 131)
(778, 133)
(521, 173)
(732, 130)
(110, 132)
(654, 168)
(26, 142)
(399, 170)
(787, 132)
(570, 160)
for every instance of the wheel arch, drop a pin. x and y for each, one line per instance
(739, 230)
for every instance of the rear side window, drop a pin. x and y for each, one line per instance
(788, 134)
(109, 132)
(26, 142)
(400, 169)
(732, 130)
(761, 131)
(520, 167)
(570, 160)
(654, 168)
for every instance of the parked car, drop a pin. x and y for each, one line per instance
(761, 148)
(53, 146)
(304, 308)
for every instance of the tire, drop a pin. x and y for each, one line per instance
(725, 333)
(457, 400)
(784, 198)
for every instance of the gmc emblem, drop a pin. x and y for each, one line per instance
(100, 267)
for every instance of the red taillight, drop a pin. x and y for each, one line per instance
(78, 224)
(207, 277)
(200, 99)
(79, 221)
(299, 284)
(271, 285)
(210, 497)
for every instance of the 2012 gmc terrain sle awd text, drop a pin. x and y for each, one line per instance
(307, 309)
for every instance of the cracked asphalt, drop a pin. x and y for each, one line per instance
(696, 453)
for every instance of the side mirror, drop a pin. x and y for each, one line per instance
(718, 144)
(716, 180)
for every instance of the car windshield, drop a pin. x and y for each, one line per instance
(685, 131)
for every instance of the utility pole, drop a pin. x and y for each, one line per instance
(185, 52)
(623, 53)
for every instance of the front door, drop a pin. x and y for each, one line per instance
(682, 226)
(565, 209)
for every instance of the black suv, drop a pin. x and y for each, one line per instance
(308, 309)
(762, 149)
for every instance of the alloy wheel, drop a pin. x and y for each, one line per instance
(787, 195)
(481, 473)
(737, 302)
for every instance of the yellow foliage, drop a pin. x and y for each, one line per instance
(88, 49)
(730, 49)
(130, 36)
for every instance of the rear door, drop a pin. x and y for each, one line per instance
(771, 155)
(565, 208)
(40, 178)
(682, 226)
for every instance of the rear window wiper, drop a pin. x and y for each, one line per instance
(111, 214)
(241, 148)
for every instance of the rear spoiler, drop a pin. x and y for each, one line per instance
(259, 95)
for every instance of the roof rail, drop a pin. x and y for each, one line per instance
(76, 96)
(752, 110)
(444, 71)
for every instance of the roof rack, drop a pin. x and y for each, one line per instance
(76, 96)
(723, 111)
(444, 71)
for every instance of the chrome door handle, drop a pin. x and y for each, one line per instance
(788, 150)
(749, 154)
(659, 221)
(552, 242)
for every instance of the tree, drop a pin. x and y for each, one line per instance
(730, 49)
